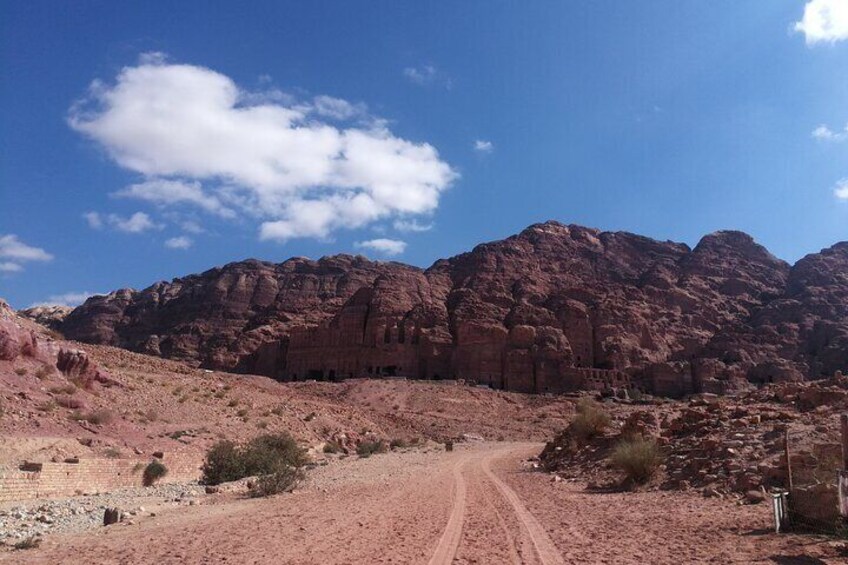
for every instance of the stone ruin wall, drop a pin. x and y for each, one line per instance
(49, 480)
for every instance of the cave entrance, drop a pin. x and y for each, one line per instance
(390, 370)
(315, 374)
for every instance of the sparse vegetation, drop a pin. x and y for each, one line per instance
(233, 403)
(275, 458)
(369, 448)
(30, 542)
(400, 443)
(262, 424)
(21, 371)
(309, 417)
(154, 471)
(96, 417)
(45, 372)
(242, 413)
(70, 402)
(332, 447)
(112, 453)
(638, 457)
(63, 389)
(278, 411)
(46, 406)
(591, 420)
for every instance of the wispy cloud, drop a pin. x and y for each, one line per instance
(181, 242)
(424, 75)
(384, 246)
(411, 226)
(826, 134)
(137, 223)
(14, 252)
(200, 140)
(65, 299)
(483, 146)
(824, 21)
(841, 189)
(93, 220)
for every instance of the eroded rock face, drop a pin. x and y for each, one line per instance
(48, 316)
(553, 308)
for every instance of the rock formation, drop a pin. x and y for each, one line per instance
(553, 308)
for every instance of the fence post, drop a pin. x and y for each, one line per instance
(788, 461)
(844, 428)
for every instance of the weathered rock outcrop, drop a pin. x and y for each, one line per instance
(553, 308)
(49, 316)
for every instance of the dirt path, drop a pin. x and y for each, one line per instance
(475, 505)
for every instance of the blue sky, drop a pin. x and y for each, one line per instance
(148, 142)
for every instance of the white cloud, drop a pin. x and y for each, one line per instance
(841, 189)
(19, 252)
(411, 226)
(66, 299)
(824, 21)
(10, 267)
(825, 133)
(94, 220)
(181, 242)
(385, 246)
(483, 146)
(169, 192)
(422, 75)
(137, 223)
(191, 226)
(272, 160)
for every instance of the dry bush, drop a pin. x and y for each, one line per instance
(30, 542)
(70, 402)
(63, 389)
(21, 371)
(638, 457)
(154, 471)
(332, 447)
(369, 448)
(591, 420)
(45, 372)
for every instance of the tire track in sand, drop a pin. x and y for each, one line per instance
(449, 542)
(545, 548)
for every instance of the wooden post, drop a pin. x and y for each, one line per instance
(788, 460)
(844, 425)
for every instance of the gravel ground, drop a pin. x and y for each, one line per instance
(40, 517)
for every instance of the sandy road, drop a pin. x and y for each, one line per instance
(474, 505)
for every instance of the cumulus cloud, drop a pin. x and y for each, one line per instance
(411, 226)
(841, 189)
(9, 267)
(15, 252)
(93, 220)
(422, 75)
(483, 146)
(298, 169)
(824, 21)
(181, 242)
(66, 299)
(384, 246)
(825, 133)
(137, 223)
(169, 192)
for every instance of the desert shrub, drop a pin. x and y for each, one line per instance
(45, 371)
(137, 467)
(638, 457)
(282, 480)
(369, 448)
(399, 443)
(46, 406)
(154, 471)
(264, 455)
(449, 445)
(591, 420)
(63, 389)
(232, 403)
(112, 453)
(332, 447)
(242, 413)
(30, 542)
(99, 417)
(21, 371)
(278, 411)
(310, 417)
(220, 394)
(262, 424)
(68, 401)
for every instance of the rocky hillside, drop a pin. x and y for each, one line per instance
(553, 308)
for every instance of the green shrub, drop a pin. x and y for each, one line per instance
(591, 420)
(638, 457)
(154, 471)
(264, 455)
(282, 480)
(368, 448)
(30, 542)
(332, 447)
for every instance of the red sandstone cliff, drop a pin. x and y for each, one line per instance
(533, 312)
